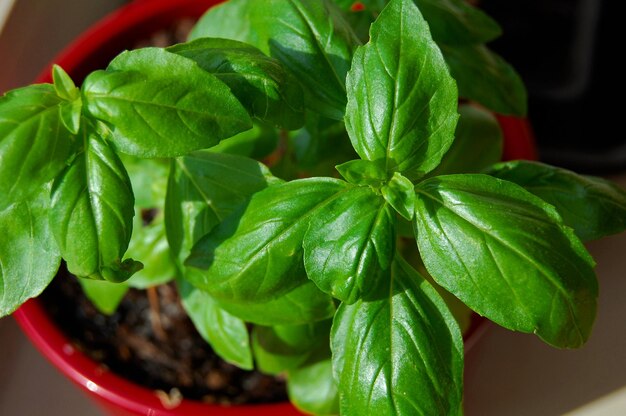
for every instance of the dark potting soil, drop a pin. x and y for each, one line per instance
(176, 362)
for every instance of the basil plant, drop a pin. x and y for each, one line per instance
(324, 187)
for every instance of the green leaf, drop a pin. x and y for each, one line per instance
(349, 245)
(507, 255)
(455, 22)
(402, 101)
(203, 189)
(257, 143)
(105, 296)
(70, 114)
(162, 104)
(363, 172)
(34, 144)
(401, 355)
(310, 38)
(592, 206)
(255, 255)
(286, 347)
(149, 180)
(91, 212)
(63, 84)
(399, 193)
(478, 143)
(148, 244)
(226, 334)
(304, 304)
(485, 77)
(29, 257)
(260, 83)
(313, 389)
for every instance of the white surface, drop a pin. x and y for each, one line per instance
(506, 373)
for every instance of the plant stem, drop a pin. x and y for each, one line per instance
(155, 313)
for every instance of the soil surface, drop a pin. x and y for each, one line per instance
(175, 361)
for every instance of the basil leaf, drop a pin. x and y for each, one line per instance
(162, 104)
(149, 180)
(399, 193)
(485, 77)
(203, 189)
(506, 254)
(400, 355)
(455, 22)
(306, 303)
(91, 212)
(402, 101)
(310, 38)
(63, 84)
(349, 245)
(226, 334)
(592, 206)
(260, 83)
(105, 296)
(286, 347)
(148, 244)
(70, 114)
(363, 172)
(29, 255)
(478, 143)
(255, 255)
(34, 144)
(257, 143)
(312, 389)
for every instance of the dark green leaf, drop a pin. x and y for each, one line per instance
(478, 143)
(255, 255)
(593, 207)
(349, 245)
(162, 104)
(286, 347)
(91, 212)
(399, 193)
(455, 22)
(402, 101)
(260, 83)
(34, 144)
(304, 304)
(309, 37)
(506, 254)
(401, 355)
(313, 389)
(105, 296)
(485, 77)
(203, 189)
(363, 172)
(226, 334)
(29, 257)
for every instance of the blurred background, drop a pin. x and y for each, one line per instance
(565, 50)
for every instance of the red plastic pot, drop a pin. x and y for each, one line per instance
(93, 50)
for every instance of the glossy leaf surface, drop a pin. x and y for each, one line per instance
(506, 254)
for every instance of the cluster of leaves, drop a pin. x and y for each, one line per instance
(173, 138)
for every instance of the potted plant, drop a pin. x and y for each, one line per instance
(364, 214)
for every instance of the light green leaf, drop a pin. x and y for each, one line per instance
(349, 245)
(485, 77)
(400, 355)
(402, 101)
(255, 255)
(286, 347)
(29, 257)
(478, 143)
(105, 296)
(399, 193)
(313, 389)
(309, 37)
(70, 114)
(507, 255)
(149, 180)
(363, 172)
(162, 105)
(592, 206)
(91, 212)
(226, 334)
(260, 83)
(34, 144)
(257, 143)
(63, 84)
(203, 189)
